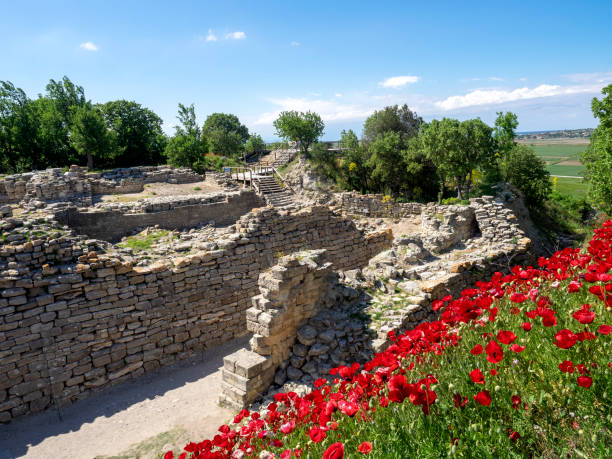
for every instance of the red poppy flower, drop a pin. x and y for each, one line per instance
(288, 427)
(506, 336)
(584, 381)
(518, 297)
(477, 377)
(574, 286)
(516, 401)
(460, 401)
(584, 315)
(565, 339)
(604, 329)
(335, 451)
(517, 348)
(483, 397)
(526, 326)
(169, 455)
(495, 354)
(365, 447)
(399, 388)
(476, 350)
(436, 305)
(514, 436)
(567, 366)
(493, 372)
(317, 434)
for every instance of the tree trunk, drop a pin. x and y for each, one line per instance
(89, 161)
(459, 190)
(468, 186)
(441, 192)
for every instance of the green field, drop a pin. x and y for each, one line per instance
(573, 187)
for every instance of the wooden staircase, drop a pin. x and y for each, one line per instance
(272, 192)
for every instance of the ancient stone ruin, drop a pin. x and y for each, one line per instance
(94, 291)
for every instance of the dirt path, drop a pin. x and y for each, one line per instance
(158, 411)
(165, 189)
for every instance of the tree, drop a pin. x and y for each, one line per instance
(324, 160)
(355, 172)
(528, 173)
(305, 128)
(598, 156)
(254, 144)
(226, 135)
(505, 125)
(456, 148)
(188, 146)
(140, 138)
(18, 130)
(89, 135)
(392, 119)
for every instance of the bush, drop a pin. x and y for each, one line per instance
(528, 173)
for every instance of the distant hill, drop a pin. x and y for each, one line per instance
(551, 135)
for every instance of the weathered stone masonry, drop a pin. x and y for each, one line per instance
(73, 321)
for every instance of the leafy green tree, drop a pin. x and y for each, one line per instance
(90, 136)
(188, 146)
(598, 156)
(140, 138)
(305, 128)
(456, 148)
(401, 120)
(53, 134)
(19, 139)
(226, 135)
(254, 144)
(528, 173)
(355, 172)
(504, 134)
(387, 162)
(324, 160)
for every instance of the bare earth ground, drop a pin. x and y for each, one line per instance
(139, 419)
(165, 189)
(404, 226)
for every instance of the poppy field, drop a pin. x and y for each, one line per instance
(520, 365)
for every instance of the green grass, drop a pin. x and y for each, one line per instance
(140, 241)
(572, 171)
(573, 187)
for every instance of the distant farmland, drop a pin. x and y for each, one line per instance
(563, 159)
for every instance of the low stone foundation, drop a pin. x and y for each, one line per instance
(375, 205)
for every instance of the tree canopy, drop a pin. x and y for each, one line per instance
(188, 146)
(90, 136)
(304, 128)
(598, 156)
(400, 120)
(226, 135)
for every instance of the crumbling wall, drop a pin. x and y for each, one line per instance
(70, 327)
(111, 222)
(375, 205)
(77, 184)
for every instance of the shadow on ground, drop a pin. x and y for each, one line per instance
(20, 436)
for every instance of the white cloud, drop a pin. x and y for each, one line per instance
(399, 81)
(88, 46)
(493, 78)
(235, 36)
(499, 96)
(338, 94)
(295, 43)
(211, 36)
(329, 110)
(595, 77)
(523, 79)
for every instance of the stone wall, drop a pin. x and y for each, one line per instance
(374, 205)
(79, 185)
(71, 326)
(111, 221)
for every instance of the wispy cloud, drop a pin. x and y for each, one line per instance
(295, 43)
(399, 81)
(494, 78)
(88, 46)
(210, 36)
(235, 36)
(595, 77)
(499, 96)
(329, 110)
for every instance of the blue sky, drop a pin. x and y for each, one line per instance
(543, 60)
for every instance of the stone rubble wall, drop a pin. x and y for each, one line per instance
(374, 205)
(291, 292)
(73, 321)
(111, 221)
(79, 185)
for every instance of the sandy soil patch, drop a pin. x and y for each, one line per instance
(570, 162)
(165, 189)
